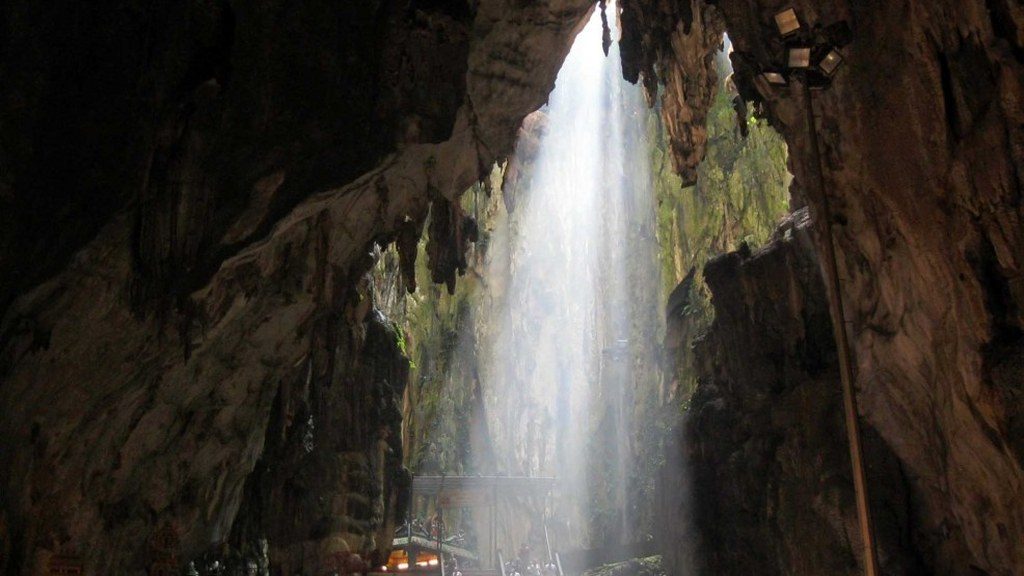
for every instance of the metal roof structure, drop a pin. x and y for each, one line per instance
(431, 544)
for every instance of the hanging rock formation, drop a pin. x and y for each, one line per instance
(671, 46)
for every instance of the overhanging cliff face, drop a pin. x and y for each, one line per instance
(922, 157)
(189, 196)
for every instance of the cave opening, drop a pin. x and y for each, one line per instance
(564, 352)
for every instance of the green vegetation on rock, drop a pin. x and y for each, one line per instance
(438, 337)
(742, 192)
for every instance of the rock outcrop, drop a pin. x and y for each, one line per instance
(769, 489)
(332, 487)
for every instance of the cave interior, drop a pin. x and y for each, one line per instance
(657, 287)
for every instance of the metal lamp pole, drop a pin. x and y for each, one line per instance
(801, 48)
(831, 276)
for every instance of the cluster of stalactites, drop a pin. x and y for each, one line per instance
(668, 46)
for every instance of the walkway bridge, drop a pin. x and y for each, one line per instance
(422, 549)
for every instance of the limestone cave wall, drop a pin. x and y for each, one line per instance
(189, 197)
(922, 158)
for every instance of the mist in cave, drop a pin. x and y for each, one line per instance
(562, 368)
(548, 360)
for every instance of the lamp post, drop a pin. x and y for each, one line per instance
(832, 281)
(816, 64)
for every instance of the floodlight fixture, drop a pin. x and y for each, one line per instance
(774, 78)
(787, 22)
(799, 57)
(830, 63)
